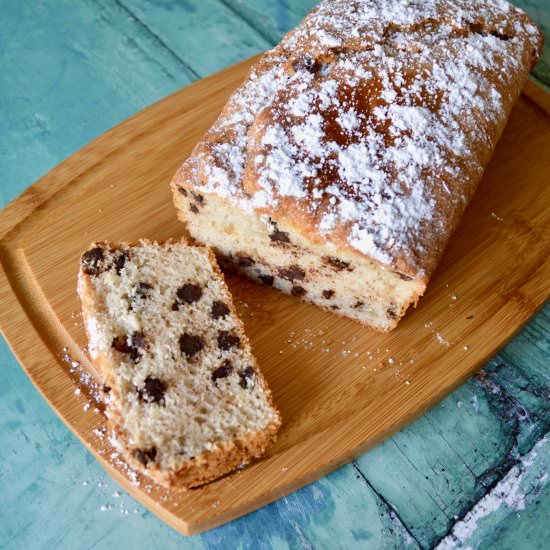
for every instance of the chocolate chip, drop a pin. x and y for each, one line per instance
(403, 276)
(194, 209)
(267, 279)
(293, 273)
(120, 344)
(222, 372)
(134, 345)
(308, 64)
(219, 309)
(140, 292)
(226, 340)
(142, 289)
(189, 293)
(328, 294)
(279, 236)
(138, 340)
(182, 191)
(500, 36)
(391, 313)
(191, 344)
(246, 374)
(153, 390)
(358, 304)
(145, 455)
(245, 261)
(120, 261)
(175, 306)
(105, 389)
(337, 264)
(334, 306)
(197, 197)
(92, 261)
(298, 291)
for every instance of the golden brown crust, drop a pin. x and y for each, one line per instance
(421, 91)
(211, 464)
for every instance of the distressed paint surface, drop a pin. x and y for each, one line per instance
(68, 72)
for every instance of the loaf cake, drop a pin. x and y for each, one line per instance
(185, 399)
(339, 169)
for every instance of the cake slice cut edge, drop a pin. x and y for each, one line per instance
(281, 255)
(185, 400)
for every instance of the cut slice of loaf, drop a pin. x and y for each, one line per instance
(185, 398)
(278, 254)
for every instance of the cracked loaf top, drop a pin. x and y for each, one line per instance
(370, 125)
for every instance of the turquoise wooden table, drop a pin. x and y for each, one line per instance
(472, 472)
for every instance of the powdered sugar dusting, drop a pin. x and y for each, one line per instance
(375, 117)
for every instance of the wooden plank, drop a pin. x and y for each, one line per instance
(500, 519)
(438, 468)
(435, 470)
(207, 35)
(529, 353)
(444, 456)
(69, 73)
(340, 503)
(540, 13)
(333, 407)
(272, 18)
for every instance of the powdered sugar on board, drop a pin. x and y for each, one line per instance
(370, 118)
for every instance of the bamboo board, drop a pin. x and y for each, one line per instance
(341, 388)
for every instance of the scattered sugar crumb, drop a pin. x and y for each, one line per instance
(475, 403)
(441, 339)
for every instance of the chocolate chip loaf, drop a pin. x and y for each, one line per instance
(339, 169)
(184, 396)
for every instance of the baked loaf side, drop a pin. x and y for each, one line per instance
(339, 169)
(184, 396)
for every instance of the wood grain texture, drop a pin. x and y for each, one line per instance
(115, 188)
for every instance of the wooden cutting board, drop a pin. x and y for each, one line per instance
(341, 388)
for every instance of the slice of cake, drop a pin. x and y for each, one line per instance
(185, 398)
(340, 168)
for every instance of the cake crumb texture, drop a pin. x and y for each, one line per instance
(184, 395)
